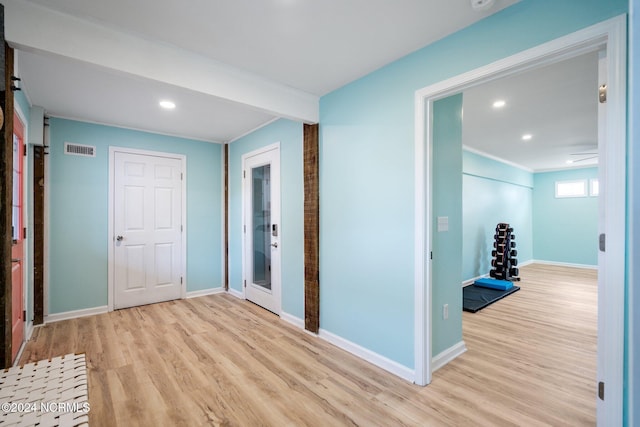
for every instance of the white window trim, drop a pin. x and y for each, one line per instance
(594, 182)
(573, 181)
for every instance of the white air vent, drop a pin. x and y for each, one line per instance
(79, 149)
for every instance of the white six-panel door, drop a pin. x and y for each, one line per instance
(147, 227)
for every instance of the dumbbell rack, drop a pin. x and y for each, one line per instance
(504, 262)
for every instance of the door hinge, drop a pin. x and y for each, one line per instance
(601, 390)
(602, 93)
(431, 255)
(181, 176)
(245, 283)
(24, 233)
(244, 174)
(181, 228)
(602, 242)
(24, 315)
(245, 228)
(25, 150)
(181, 280)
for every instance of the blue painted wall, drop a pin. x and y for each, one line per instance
(446, 273)
(79, 203)
(22, 102)
(366, 185)
(289, 134)
(493, 192)
(565, 229)
(366, 167)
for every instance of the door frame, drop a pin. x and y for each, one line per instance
(27, 325)
(611, 35)
(110, 228)
(277, 272)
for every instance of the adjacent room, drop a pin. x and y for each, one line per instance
(532, 163)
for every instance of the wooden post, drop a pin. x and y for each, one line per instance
(6, 194)
(311, 230)
(38, 234)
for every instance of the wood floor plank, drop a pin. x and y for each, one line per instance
(218, 360)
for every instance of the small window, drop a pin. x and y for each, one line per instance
(594, 187)
(571, 188)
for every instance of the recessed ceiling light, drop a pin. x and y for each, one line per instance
(499, 103)
(481, 4)
(527, 137)
(569, 162)
(167, 105)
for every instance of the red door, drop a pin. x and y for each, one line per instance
(17, 250)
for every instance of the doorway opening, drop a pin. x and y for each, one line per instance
(541, 132)
(610, 36)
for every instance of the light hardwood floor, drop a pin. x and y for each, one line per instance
(217, 360)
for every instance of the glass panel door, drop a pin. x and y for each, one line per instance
(262, 233)
(261, 188)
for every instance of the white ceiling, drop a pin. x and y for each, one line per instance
(300, 49)
(556, 104)
(78, 90)
(312, 45)
(297, 49)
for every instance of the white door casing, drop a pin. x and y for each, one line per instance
(611, 36)
(146, 228)
(262, 228)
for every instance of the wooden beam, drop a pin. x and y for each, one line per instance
(6, 195)
(311, 230)
(77, 39)
(38, 234)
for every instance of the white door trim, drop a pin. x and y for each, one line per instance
(110, 232)
(610, 34)
(276, 273)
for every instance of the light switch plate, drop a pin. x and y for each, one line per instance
(443, 223)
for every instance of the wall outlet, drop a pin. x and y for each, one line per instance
(445, 311)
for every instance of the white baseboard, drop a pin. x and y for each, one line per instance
(28, 331)
(447, 355)
(470, 281)
(56, 317)
(565, 264)
(525, 263)
(205, 292)
(235, 293)
(290, 318)
(369, 356)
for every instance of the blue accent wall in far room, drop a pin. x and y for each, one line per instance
(566, 229)
(493, 192)
(78, 213)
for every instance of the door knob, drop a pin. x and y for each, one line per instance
(119, 238)
(274, 244)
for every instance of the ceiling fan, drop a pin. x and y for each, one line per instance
(586, 156)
